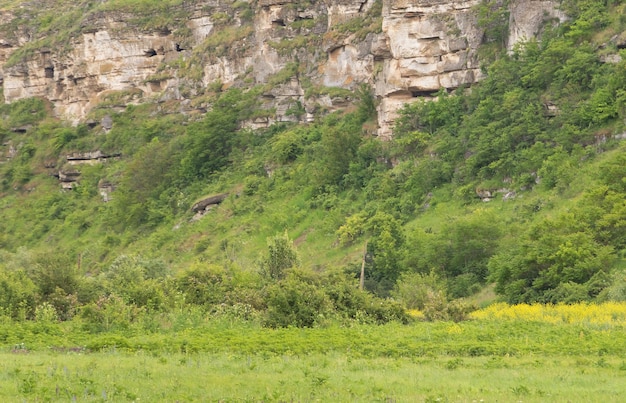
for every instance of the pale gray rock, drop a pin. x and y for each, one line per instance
(423, 46)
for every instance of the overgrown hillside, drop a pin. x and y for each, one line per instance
(516, 185)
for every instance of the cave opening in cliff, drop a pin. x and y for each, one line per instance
(164, 31)
(150, 52)
(279, 23)
(49, 72)
(422, 93)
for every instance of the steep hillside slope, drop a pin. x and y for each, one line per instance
(242, 155)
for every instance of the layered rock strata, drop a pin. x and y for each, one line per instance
(405, 50)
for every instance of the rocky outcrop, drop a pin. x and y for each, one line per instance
(487, 195)
(99, 63)
(527, 19)
(406, 50)
(8, 151)
(90, 158)
(208, 202)
(105, 189)
(432, 45)
(69, 176)
(205, 205)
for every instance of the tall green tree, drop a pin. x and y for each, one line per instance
(281, 255)
(208, 145)
(550, 255)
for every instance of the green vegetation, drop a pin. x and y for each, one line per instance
(370, 22)
(515, 186)
(286, 244)
(55, 25)
(120, 376)
(287, 45)
(483, 359)
(140, 6)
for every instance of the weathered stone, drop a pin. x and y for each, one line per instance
(550, 109)
(68, 176)
(613, 58)
(528, 17)
(509, 195)
(414, 67)
(344, 67)
(107, 123)
(105, 188)
(458, 78)
(484, 193)
(90, 158)
(425, 45)
(380, 48)
(453, 62)
(203, 204)
(21, 129)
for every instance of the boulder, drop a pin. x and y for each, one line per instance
(208, 202)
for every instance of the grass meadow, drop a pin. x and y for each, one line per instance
(506, 354)
(142, 376)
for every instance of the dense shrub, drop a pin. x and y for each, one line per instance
(108, 314)
(18, 294)
(137, 281)
(306, 299)
(281, 255)
(297, 300)
(415, 290)
(553, 261)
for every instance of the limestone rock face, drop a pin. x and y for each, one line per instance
(432, 46)
(407, 51)
(109, 56)
(528, 17)
(98, 63)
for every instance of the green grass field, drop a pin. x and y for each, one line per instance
(142, 376)
(502, 356)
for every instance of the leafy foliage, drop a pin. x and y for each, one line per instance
(306, 299)
(18, 294)
(281, 256)
(541, 128)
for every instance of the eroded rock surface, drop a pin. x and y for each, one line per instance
(407, 51)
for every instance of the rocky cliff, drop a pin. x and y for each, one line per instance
(297, 53)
